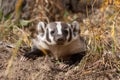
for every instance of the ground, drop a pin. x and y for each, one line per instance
(100, 28)
(47, 69)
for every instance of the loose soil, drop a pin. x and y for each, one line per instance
(45, 68)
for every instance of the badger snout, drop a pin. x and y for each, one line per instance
(60, 40)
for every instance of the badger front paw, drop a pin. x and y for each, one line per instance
(32, 55)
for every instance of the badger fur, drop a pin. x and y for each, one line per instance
(59, 38)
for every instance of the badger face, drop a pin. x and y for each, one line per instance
(59, 33)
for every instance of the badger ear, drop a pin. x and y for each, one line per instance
(76, 27)
(41, 27)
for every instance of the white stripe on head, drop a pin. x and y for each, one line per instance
(59, 28)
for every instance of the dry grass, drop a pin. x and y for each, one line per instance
(101, 31)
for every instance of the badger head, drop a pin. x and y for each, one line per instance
(58, 33)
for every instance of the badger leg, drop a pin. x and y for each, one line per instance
(33, 54)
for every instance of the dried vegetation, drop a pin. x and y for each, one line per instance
(100, 27)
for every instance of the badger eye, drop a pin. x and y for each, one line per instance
(52, 32)
(65, 31)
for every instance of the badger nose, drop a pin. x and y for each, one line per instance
(60, 38)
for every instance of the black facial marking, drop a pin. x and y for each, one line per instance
(70, 37)
(64, 33)
(72, 26)
(52, 32)
(64, 29)
(74, 32)
(47, 36)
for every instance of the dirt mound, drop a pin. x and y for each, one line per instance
(45, 68)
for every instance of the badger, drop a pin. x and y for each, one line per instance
(60, 39)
